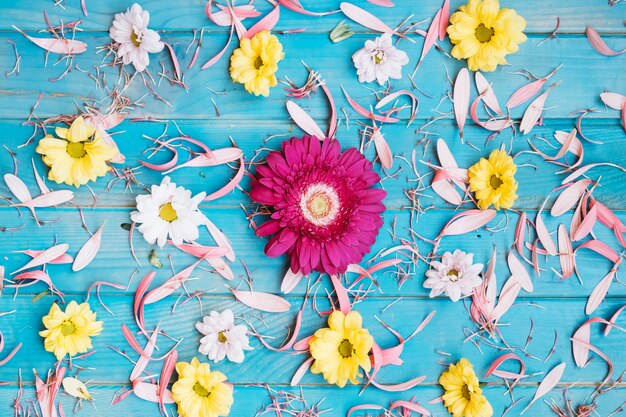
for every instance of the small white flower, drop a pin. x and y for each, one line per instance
(136, 41)
(379, 60)
(222, 338)
(168, 211)
(455, 275)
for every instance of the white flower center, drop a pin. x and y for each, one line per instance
(319, 204)
(136, 37)
(379, 56)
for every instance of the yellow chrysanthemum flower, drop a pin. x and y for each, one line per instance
(78, 155)
(463, 395)
(255, 62)
(69, 331)
(340, 350)
(484, 34)
(200, 392)
(493, 181)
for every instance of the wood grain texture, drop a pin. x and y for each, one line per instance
(252, 399)
(539, 177)
(556, 307)
(584, 75)
(540, 15)
(420, 356)
(114, 262)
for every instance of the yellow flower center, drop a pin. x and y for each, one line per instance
(495, 182)
(221, 338)
(320, 204)
(483, 33)
(258, 63)
(136, 37)
(167, 212)
(465, 391)
(379, 56)
(200, 390)
(345, 348)
(453, 275)
(67, 328)
(76, 149)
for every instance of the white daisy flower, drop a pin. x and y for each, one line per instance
(136, 41)
(168, 212)
(379, 60)
(222, 338)
(455, 275)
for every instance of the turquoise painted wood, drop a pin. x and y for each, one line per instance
(556, 308)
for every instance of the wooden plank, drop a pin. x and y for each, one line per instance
(540, 15)
(250, 399)
(18, 94)
(114, 262)
(536, 177)
(443, 334)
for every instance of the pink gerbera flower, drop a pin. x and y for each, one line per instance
(326, 214)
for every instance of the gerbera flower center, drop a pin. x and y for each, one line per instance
(495, 182)
(379, 56)
(453, 275)
(319, 204)
(465, 391)
(345, 349)
(167, 212)
(200, 390)
(67, 328)
(136, 36)
(76, 149)
(483, 33)
(221, 337)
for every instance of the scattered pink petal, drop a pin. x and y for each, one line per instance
(88, 252)
(601, 289)
(551, 379)
(382, 149)
(566, 254)
(524, 93)
(599, 45)
(467, 221)
(365, 18)
(304, 121)
(261, 301)
(519, 273)
(613, 100)
(57, 45)
(46, 256)
(266, 23)
(486, 91)
(461, 98)
(533, 112)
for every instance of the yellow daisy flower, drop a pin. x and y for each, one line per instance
(493, 181)
(484, 34)
(255, 62)
(200, 392)
(69, 331)
(340, 350)
(463, 395)
(78, 155)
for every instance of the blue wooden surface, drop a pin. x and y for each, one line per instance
(556, 306)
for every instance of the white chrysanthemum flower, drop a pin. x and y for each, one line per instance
(136, 41)
(379, 60)
(168, 212)
(222, 338)
(455, 275)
